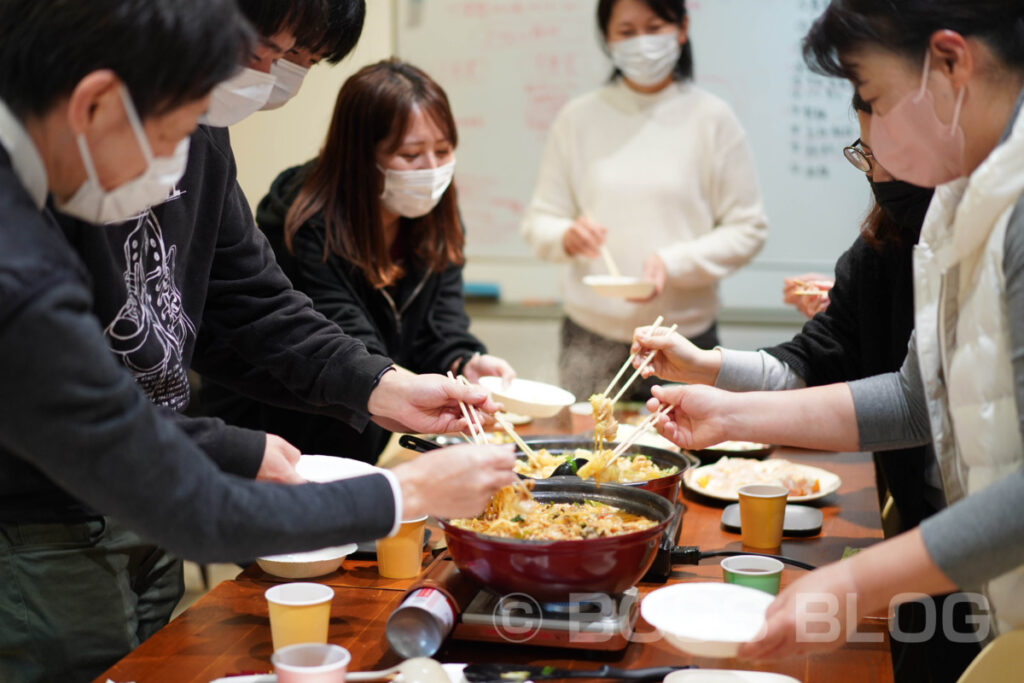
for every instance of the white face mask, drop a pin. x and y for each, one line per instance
(239, 97)
(289, 79)
(93, 204)
(647, 60)
(414, 194)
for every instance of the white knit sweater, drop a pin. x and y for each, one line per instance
(669, 172)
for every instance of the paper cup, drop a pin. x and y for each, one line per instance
(299, 613)
(401, 555)
(753, 571)
(311, 663)
(762, 513)
(582, 416)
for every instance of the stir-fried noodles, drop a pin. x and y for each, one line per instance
(605, 426)
(507, 517)
(628, 468)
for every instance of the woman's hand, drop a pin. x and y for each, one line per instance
(808, 304)
(810, 615)
(454, 482)
(584, 238)
(488, 366)
(655, 273)
(699, 417)
(676, 358)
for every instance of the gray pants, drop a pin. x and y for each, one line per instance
(77, 597)
(588, 362)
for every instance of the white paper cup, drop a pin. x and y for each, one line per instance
(311, 663)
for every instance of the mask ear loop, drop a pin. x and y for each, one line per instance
(924, 74)
(133, 120)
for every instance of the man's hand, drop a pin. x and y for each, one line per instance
(279, 460)
(454, 482)
(427, 404)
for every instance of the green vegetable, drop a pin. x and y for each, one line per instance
(518, 518)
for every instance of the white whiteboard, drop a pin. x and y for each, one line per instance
(509, 65)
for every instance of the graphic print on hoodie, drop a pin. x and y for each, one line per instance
(150, 330)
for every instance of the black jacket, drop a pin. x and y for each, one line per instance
(420, 323)
(77, 436)
(864, 332)
(193, 284)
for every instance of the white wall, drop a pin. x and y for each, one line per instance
(269, 142)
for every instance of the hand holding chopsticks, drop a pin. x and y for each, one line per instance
(647, 361)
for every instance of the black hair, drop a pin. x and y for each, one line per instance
(673, 11)
(306, 19)
(167, 53)
(906, 26)
(344, 26)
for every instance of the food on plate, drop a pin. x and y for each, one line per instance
(728, 474)
(628, 468)
(605, 426)
(507, 517)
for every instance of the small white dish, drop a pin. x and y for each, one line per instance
(324, 468)
(306, 565)
(707, 619)
(527, 397)
(454, 672)
(619, 287)
(726, 676)
(650, 438)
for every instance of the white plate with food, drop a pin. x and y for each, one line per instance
(722, 479)
(707, 619)
(528, 397)
(619, 287)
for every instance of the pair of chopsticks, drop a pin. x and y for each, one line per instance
(644, 427)
(476, 427)
(609, 262)
(629, 362)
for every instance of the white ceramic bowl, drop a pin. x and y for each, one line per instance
(619, 287)
(707, 619)
(527, 397)
(306, 565)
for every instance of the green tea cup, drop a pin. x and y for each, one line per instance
(753, 571)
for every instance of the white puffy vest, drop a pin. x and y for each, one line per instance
(963, 339)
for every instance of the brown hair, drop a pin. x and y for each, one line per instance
(344, 184)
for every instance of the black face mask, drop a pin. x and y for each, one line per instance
(902, 202)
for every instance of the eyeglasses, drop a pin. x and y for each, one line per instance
(860, 157)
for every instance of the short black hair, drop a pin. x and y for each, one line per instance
(906, 26)
(306, 19)
(344, 26)
(166, 53)
(673, 11)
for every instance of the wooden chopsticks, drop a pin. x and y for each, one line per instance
(629, 361)
(476, 428)
(636, 373)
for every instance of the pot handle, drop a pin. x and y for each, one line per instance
(415, 443)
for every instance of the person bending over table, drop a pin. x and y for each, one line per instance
(944, 81)
(370, 230)
(658, 172)
(96, 105)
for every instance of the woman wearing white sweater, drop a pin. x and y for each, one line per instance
(657, 170)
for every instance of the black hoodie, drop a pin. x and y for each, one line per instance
(420, 323)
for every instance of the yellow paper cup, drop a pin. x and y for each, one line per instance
(762, 513)
(299, 613)
(401, 555)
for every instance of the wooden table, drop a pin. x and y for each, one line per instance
(227, 631)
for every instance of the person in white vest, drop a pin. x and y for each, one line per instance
(657, 172)
(944, 79)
